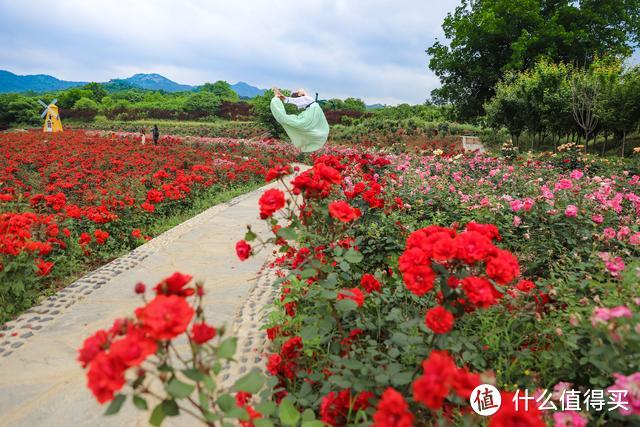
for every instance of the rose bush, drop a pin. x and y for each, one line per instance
(508, 283)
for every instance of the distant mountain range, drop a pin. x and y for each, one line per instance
(10, 83)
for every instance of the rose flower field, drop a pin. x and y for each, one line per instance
(72, 201)
(404, 282)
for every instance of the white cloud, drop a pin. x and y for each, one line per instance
(372, 49)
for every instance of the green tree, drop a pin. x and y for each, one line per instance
(97, 91)
(202, 101)
(355, 104)
(86, 104)
(68, 98)
(19, 109)
(490, 38)
(222, 90)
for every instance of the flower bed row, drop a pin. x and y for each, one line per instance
(72, 200)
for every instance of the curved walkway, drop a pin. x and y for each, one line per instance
(41, 384)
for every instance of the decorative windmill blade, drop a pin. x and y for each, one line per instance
(42, 103)
(54, 101)
(44, 113)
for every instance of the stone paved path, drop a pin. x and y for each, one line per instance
(41, 384)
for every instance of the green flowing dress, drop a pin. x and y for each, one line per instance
(308, 130)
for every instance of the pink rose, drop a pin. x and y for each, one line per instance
(571, 211)
(576, 174)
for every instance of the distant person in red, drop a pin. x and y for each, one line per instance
(156, 134)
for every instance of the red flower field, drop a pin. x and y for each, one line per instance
(76, 199)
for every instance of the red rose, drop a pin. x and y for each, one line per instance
(85, 239)
(369, 283)
(93, 345)
(271, 201)
(165, 317)
(342, 211)
(503, 267)
(273, 364)
(433, 386)
(419, 280)
(444, 249)
(508, 416)
(278, 172)
(439, 320)
(392, 411)
(479, 291)
(353, 294)
(473, 246)
(101, 236)
(525, 286)
(292, 348)
(136, 233)
(464, 383)
(201, 333)
(106, 376)
(134, 348)
(174, 285)
(243, 250)
(140, 288)
(488, 230)
(44, 267)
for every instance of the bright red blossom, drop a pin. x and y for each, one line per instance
(439, 320)
(342, 211)
(243, 250)
(271, 201)
(201, 333)
(165, 317)
(392, 411)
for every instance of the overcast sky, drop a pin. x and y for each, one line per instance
(372, 49)
(365, 48)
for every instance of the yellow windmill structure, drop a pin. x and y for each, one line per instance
(52, 121)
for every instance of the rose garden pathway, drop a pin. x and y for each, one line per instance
(41, 384)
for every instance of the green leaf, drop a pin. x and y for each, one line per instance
(227, 348)
(308, 273)
(157, 416)
(352, 256)
(308, 415)
(287, 233)
(177, 388)
(140, 403)
(251, 383)
(346, 305)
(402, 378)
(116, 404)
(193, 374)
(261, 422)
(170, 408)
(266, 408)
(314, 423)
(209, 384)
(226, 402)
(250, 236)
(309, 332)
(288, 413)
